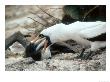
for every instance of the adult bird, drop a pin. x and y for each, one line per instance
(87, 34)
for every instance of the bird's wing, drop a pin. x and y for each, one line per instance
(94, 31)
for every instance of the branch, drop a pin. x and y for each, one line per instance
(47, 13)
(18, 36)
(37, 21)
(39, 17)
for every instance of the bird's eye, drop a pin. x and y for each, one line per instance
(41, 35)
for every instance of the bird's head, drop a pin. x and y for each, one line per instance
(37, 46)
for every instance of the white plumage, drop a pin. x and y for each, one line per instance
(62, 32)
(78, 31)
(46, 54)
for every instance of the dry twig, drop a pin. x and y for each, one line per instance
(47, 13)
(39, 17)
(37, 21)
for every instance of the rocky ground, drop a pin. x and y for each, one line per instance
(59, 62)
(17, 20)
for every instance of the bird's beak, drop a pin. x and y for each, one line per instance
(41, 45)
(33, 41)
(40, 42)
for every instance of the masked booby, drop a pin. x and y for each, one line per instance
(87, 34)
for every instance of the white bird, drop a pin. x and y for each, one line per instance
(91, 34)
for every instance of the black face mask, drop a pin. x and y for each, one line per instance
(31, 52)
(31, 49)
(47, 38)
